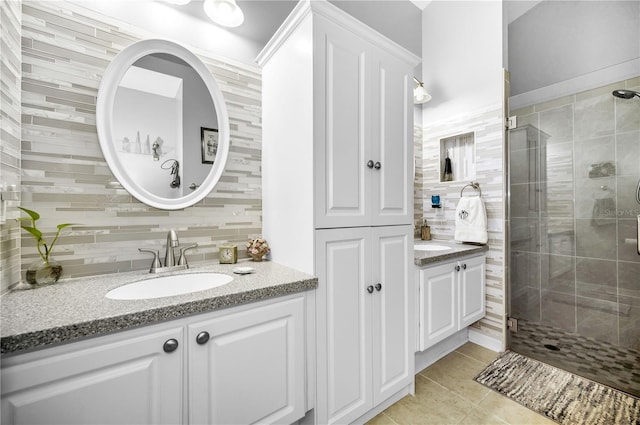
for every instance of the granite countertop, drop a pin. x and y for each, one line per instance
(77, 308)
(424, 258)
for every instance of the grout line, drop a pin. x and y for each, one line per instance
(390, 418)
(470, 357)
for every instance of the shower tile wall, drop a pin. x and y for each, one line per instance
(575, 164)
(65, 50)
(10, 64)
(488, 129)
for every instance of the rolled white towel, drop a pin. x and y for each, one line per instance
(471, 220)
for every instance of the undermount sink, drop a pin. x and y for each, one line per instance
(168, 286)
(431, 247)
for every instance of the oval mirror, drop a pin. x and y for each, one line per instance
(162, 124)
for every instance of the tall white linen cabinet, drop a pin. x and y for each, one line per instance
(338, 202)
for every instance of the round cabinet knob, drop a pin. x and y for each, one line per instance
(370, 164)
(370, 289)
(202, 337)
(464, 266)
(170, 345)
(377, 165)
(378, 287)
(457, 268)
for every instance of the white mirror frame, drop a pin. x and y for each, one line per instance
(104, 117)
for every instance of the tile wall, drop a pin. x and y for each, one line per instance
(418, 180)
(575, 166)
(10, 64)
(489, 152)
(65, 50)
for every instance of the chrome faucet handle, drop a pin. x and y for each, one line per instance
(182, 261)
(155, 264)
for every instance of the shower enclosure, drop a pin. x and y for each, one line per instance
(574, 171)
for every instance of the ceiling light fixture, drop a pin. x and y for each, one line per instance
(224, 12)
(420, 94)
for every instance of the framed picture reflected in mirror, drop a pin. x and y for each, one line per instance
(209, 140)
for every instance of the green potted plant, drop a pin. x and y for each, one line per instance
(44, 270)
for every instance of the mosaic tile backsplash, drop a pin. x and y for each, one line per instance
(65, 50)
(10, 18)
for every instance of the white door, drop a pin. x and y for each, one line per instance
(131, 381)
(342, 127)
(345, 290)
(392, 313)
(248, 367)
(438, 303)
(472, 290)
(392, 142)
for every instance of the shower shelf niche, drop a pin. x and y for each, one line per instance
(460, 149)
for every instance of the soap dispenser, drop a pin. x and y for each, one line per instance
(425, 231)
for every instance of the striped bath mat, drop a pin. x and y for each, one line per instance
(560, 396)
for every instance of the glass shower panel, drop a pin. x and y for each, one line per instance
(574, 167)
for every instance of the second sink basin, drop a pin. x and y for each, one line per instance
(168, 286)
(431, 247)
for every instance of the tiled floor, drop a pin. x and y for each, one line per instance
(447, 394)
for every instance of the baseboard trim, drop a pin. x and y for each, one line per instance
(383, 406)
(434, 353)
(485, 341)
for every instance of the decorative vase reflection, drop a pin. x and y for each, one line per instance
(42, 272)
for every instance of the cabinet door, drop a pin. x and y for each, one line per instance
(130, 381)
(392, 142)
(343, 268)
(251, 368)
(393, 316)
(341, 132)
(472, 290)
(438, 303)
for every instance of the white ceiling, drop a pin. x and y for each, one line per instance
(421, 3)
(264, 17)
(517, 8)
(261, 18)
(514, 8)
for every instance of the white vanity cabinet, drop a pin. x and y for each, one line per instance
(451, 297)
(364, 316)
(250, 369)
(123, 379)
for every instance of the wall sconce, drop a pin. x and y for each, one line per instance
(420, 94)
(224, 12)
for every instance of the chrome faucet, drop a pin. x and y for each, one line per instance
(169, 256)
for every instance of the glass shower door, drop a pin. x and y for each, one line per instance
(574, 170)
